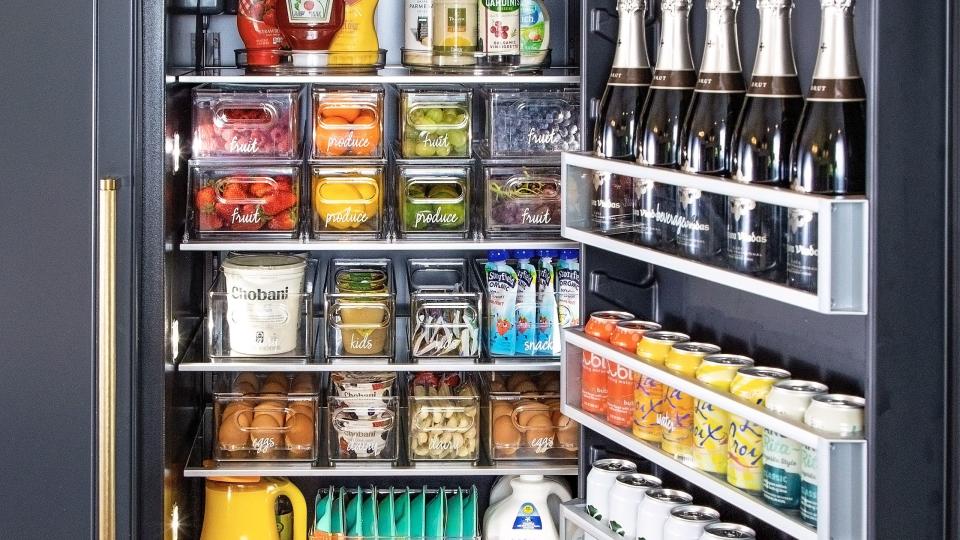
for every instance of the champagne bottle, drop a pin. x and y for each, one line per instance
(761, 145)
(829, 151)
(627, 86)
(658, 131)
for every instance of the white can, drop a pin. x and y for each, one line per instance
(781, 456)
(418, 32)
(719, 531)
(654, 510)
(688, 522)
(625, 497)
(264, 302)
(835, 414)
(603, 475)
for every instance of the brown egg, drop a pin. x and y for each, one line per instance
(273, 387)
(514, 380)
(247, 378)
(501, 408)
(275, 409)
(299, 432)
(266, 434)
(539, 432)
(506, 437)
(244, 409)
(550, 386)
(302, 384)
(233, 434)
(526, 387)
(568, 432)
(301, 407)
(280, 378)
(498, 386)
(531, 410)
(244, 388)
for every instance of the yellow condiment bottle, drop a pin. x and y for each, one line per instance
(357, 38)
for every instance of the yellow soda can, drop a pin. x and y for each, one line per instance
(745, 444)
(648, 392)
(677, 411)
(711, 424)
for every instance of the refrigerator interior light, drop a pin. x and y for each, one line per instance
(174, 339)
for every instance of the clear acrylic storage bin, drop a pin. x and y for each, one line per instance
(521, 123)
(239, 200)
(246, 121)
(521, 201)
(444, 315)
(360, 309)
(252, 383)
(348, 122)
(266, 427)
(525, 422)
(443, 417)
(363, 429)
(435, 122)
(347, 200)
(434, 202)
(261, 308)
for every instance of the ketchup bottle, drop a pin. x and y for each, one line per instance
(257, 23)
(309, 25)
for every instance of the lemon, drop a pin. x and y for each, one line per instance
(457, 41)
(370, 194)
(327, 201)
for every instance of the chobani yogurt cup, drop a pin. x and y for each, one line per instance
(264, 302)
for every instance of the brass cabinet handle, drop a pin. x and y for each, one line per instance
(106, 357)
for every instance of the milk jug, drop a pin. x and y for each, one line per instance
(524, 514)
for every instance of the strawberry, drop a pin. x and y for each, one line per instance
(261, 190)
(286, 221)
(210, 222)
(284, 183)
(234, 192)
(249, 212)
(278, 202)
(225, 210)
(205, 200)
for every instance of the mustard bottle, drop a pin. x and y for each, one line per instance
(357, 38)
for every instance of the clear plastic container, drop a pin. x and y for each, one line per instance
(525, 422)
(236, 200)
(435, 122)
(434, 202)
(522, 201)
(250, 383)
(348, 122)
(266, 427)
(246, 121)
(360, 309)
(444, 417)
(347, 200)
(363, 430)
(444, 315)
(521, 123)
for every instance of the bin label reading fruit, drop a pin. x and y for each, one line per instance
(523, 200)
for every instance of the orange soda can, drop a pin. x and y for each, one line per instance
(626, 336)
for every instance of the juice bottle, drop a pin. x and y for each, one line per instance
(357, 35)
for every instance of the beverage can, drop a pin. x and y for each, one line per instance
(745, 445)
(719, 531)
(593, 383)
(677, 424)
(603, 475)
(628, 334)
(625, 498)
(619, 395)
(687, 522)
(648, 392)
(654, 510)
(601, 324)
(710, 424)
(782, 456)
(836, 414)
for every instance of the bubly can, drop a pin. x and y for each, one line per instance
(603, 475)
(625, 498)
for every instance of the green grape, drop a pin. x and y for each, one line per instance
(449, 116)
(410, 216)
(458, 137)
(435, 115)
(443, 151)
(455, 209)
(409, 147)
(416, 191)
(424, 150)
(460, 150)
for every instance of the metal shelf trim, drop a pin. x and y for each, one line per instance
(437, 469)
(728, 402)
(438, 365)
(382, 245)
(387, 75)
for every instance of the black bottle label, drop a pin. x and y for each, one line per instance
(630, 77)
(838, 90)
(802, 250)
(754, 235)
(787, 86)
(700, 231)
(720, 82)
(655, 215)
(677, 80)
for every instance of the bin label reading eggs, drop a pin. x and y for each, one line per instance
(263, 445)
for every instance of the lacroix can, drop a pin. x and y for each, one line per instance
(782, 456)
(677, 424)
(619, 395)
(836, 414)
(593, 372)
(711, 424)
(745, 445)
(603, 475)
(628, 334)
(648, 392)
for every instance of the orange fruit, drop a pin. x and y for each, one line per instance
(346, 112)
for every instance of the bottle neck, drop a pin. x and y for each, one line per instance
(632, 40)
(674, 52)
(721, 51)
(837, 58)
(775, 50)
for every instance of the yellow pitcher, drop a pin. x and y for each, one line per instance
(244, 509)
(357, 35)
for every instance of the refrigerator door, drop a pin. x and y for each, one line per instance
(67, 108)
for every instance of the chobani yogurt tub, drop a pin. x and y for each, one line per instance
(264, 297)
